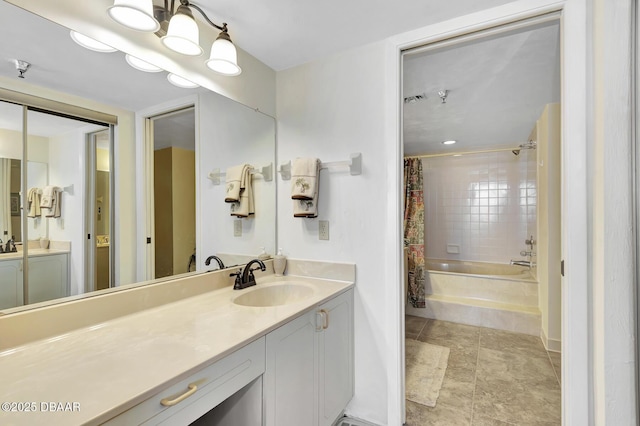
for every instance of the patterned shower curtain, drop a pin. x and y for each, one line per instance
(414, 229)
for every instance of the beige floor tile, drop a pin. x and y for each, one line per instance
(514, 343)
(516, 389)
(556, 361)
(485, 421)
(413, 326)
(493, 378)
(440, 415)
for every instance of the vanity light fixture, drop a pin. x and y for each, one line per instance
(182, 82)
(91, 44)
(141, 65)
(179, 31)
(135, 14)
(450, 142)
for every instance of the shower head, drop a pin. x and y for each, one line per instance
(516, 152)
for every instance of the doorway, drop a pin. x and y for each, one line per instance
(486, 172)
(171, 149)
(100, 208)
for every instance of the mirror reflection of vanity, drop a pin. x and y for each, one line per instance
(228, 134)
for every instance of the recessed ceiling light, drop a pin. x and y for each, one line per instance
(141, 65)
(448, 142)
(176, 80)
(91, 44)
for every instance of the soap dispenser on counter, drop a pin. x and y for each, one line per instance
(279, 263)
(264, 255)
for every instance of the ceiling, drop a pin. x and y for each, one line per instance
(287, 33)
(497, 87)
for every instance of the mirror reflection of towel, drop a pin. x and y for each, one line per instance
(239, 191)
(244, 207)
(51, 201)
(33, 198)
(235, 182)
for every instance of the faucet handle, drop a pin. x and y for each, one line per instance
(237, 284)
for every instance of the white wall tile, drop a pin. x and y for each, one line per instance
(482, 202)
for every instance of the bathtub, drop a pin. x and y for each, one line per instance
(497, 271)
(485, 294)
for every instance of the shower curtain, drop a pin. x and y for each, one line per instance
(414, 229)
(5, 198)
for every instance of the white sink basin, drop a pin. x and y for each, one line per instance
(274, 294)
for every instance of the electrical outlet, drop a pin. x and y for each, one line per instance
(323, 229)
(237, 228)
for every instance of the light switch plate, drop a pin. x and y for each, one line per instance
(237, 228)
(323, 229)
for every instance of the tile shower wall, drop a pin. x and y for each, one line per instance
(479, 205)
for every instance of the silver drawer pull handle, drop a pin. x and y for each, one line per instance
(325, 314)
(169, 402)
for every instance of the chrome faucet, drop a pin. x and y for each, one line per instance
(217, 259)
(245, 278)
(526, 263)
(11, 246)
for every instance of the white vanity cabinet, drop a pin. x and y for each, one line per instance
(195, 396)
(10, 283)
(48, 277)
(309, 373)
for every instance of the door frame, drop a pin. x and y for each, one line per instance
(144, 181)
(577, 386)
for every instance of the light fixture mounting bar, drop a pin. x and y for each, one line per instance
(204, 15)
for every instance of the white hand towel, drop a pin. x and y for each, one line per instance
(307, 208)
(304, 178)
(33, 199)
(245, 206)
(236, 181)
(47, 197)
(52, 201)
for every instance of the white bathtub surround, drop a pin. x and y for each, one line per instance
(138, 352)
(477, 206)
(504, 297)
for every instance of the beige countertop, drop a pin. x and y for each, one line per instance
(32, 252)
(109, 367)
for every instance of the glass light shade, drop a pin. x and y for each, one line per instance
(91, 44)
(224, 58)
(141, 65)
(176, 80)
(183, 36)
(134, 14)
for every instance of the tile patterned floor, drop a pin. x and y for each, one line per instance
(494, 378)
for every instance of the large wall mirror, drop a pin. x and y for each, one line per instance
(107, 212)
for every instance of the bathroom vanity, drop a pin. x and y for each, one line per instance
(279, 353)
(48, 276)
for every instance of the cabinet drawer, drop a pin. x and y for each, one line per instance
(212, 385)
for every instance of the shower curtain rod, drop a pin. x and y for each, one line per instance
(451, 154)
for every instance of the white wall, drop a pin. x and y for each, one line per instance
(66, 159)
(479, 202)
(340, 99)
(611, 228)
(329, 109)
